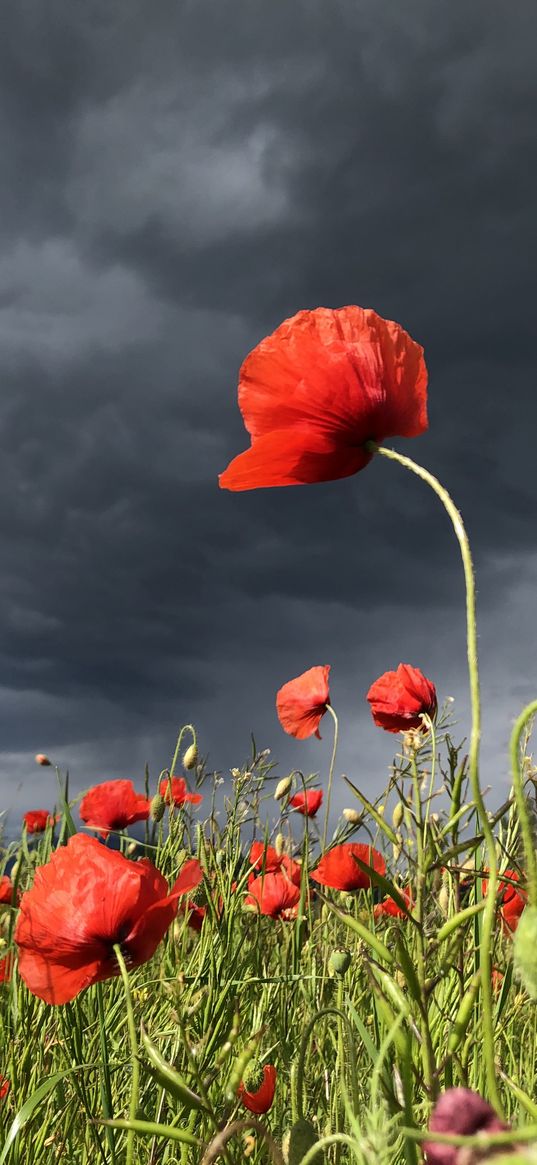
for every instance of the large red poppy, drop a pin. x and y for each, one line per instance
(512, 901)
(113, 805)
(86, 899)
(399, 698)
(302, 702)
(274, 895)
(178, 793)
(308, 802)
(36, 820)
(259, 1100)
(315, 391)
(340, 871)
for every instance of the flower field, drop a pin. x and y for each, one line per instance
(270, 982)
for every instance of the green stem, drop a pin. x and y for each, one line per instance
(473, 756)
(330, 709)
(421, 947)
(518, 786)
(133, 1110)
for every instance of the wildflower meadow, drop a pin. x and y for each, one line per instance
(271, 983)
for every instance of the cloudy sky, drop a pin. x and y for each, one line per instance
(177, 179)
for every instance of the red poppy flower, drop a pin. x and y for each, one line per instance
(512, 901)
(113, 805)
(4, 1087)
(259, 1099)
(459, 1112)
(302, 703)
(389, 907)
(274, 895)
(86, 899)
(399, 698)
(179, 792)
(338, 869)
(6, 891)
(195, 914)
(292, 869)
(315, 391)
(308, 802)
(264, 857)
(6, 968)
(36, 820)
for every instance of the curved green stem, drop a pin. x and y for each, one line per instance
(342, 1018)
(473, 755)
(518, 787)
(135, 1087)
(330, 709)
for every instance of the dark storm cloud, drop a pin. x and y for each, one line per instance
(180, 181)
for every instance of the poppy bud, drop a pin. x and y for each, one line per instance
(302, 1138)
(131, 848)
(41, 759)
(398, 814)
(190, 758)
(443, 897)
(352, 816)
(525, 948)
(158, 807)
(339, 961)
(282, 788)
(279, 844)
(253, 1076)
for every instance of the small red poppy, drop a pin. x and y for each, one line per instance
(314, 392)
(7, 890)
(274, 895)
(194, 914)
(36, 820)
(6, 968)
(113, 805)
(390, 909)
(83, 901)
(4, 1087)
(399, 698)
(302, 703)
(292, 869)
(264, 857)
(308, 802)
(260, 1099)
(512, 901)
(178, 794)
(338, 869)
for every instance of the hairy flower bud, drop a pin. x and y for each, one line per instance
(158, 807)
(339, 961)
(190, 758)
(398, 814)
(282, 788)
(279, 844)
(352, 816)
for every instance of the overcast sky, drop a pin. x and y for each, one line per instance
(177, 178)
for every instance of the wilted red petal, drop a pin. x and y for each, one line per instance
(315, 391)
(340, 871)
(308, 802)
(390, 908)
(399, 699)
(113, 805)
(301, 703)
(261, 1100)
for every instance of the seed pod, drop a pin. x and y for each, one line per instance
(525, 950)
(282, 788)
(339, 961)
(166, 1075)
(302, 1138)
(464, 1014)
(279, 844)
(190, 758)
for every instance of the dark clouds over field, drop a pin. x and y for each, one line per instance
(178, 178)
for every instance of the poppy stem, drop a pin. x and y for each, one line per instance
(330, 709)
(518, 787)
(473, 756)
(133, 1110)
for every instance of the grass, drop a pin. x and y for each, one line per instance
(360, 1054)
